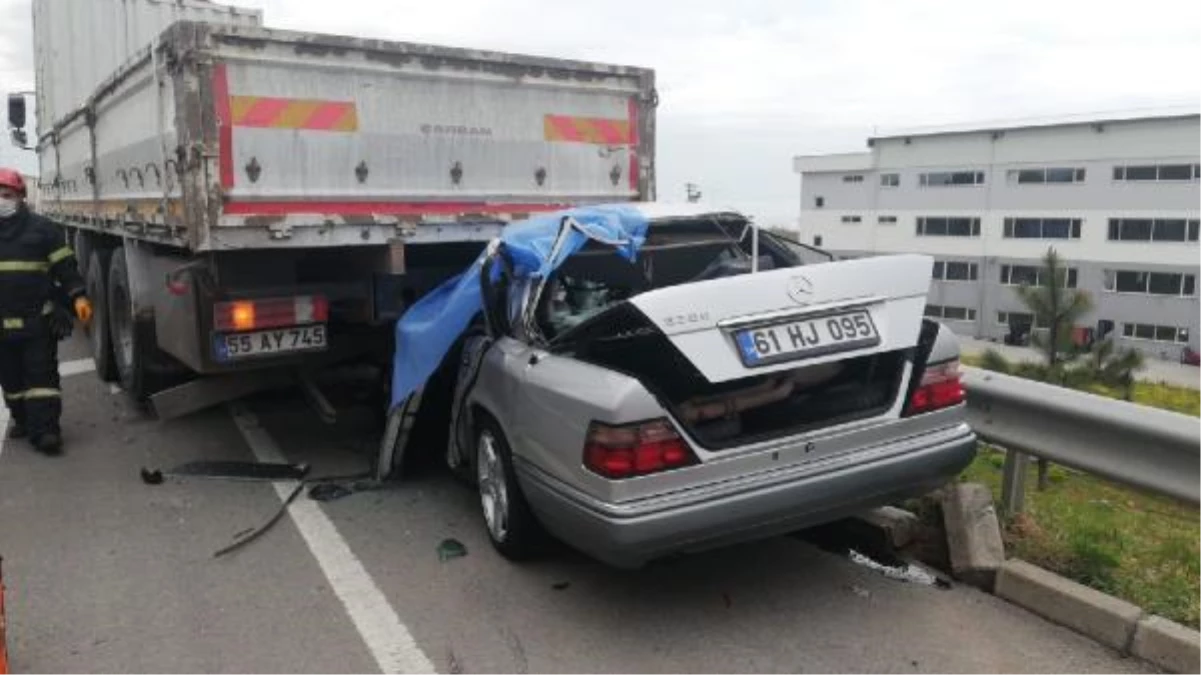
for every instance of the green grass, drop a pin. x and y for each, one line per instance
(1139, 547)
(1134, 545)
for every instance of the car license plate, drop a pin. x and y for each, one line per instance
(234, 346)
(803, 338)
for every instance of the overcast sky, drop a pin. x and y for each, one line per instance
(746, 85)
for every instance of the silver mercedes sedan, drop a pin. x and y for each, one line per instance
(723, 386)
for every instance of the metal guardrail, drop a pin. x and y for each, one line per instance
(1143, 447)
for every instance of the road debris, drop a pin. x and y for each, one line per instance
(261, 530)
(328, 492)
(908, 572)
(561, 586)
(248, 471)
(450, 549)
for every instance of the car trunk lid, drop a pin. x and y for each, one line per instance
(776, 320)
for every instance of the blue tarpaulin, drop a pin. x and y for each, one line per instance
(430, 327)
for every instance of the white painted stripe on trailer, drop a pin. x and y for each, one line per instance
(78, 367)
(388, 640)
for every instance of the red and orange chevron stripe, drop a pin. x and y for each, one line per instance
(293, 113)
(595, 130)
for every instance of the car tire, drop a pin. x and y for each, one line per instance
(140, 366)
(98, 332)
(514, 531)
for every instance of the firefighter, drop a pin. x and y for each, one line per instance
(37, 269)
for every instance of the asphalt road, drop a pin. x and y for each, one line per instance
(1156, 370)
(107, 574)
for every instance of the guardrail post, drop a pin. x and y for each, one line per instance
(1013, 483)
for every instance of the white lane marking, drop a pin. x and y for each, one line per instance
(78, 367)
(388, 640)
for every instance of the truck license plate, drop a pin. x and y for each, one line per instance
(233, 346)
(806, 338)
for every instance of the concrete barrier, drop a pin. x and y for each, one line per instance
(1167, 644)
(1102, 617)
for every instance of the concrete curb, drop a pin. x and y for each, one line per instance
(1104, 618)
(1167, 644)
(897, 526)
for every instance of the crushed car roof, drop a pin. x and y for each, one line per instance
(655, 211)
(534, 248)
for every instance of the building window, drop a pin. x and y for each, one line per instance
(1144, 331)
(1150, 283)
(1042, 228)
(1147, 229)
(852, 219)
(853, 178)
(817, 240)
(951, 178)
(888, 220)
(1157, 172)
(950, 313)
(890, 179)
(955, 271)
(819, 202)
(1027, 275)
(948, 227)
(1046, 175)
(1018, 318)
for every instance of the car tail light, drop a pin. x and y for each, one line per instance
(243, 315)
(635, 450)
(940, 388)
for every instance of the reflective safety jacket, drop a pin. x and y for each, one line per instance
(36, 268)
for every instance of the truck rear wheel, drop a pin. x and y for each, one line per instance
(138, 363)
(81, 241)
(99, 334)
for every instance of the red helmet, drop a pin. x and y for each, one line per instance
(13, 180)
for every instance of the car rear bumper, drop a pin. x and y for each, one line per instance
(631, 534)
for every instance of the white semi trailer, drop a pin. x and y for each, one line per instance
(247, 202)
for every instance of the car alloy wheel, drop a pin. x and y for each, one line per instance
(494, 491)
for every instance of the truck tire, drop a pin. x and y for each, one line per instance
(99, 335)
(82, 243)
(137, 360)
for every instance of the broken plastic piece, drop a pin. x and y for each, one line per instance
(328, 492)
(450, 549)
(241, 539)
(254, 471)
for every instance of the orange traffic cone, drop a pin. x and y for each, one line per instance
(3, 649)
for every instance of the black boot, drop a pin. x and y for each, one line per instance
(49, 444)
(17, 430)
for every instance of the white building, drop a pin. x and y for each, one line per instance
(1117, 196)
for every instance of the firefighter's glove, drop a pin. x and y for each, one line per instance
(61, 324)
(83, 310)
